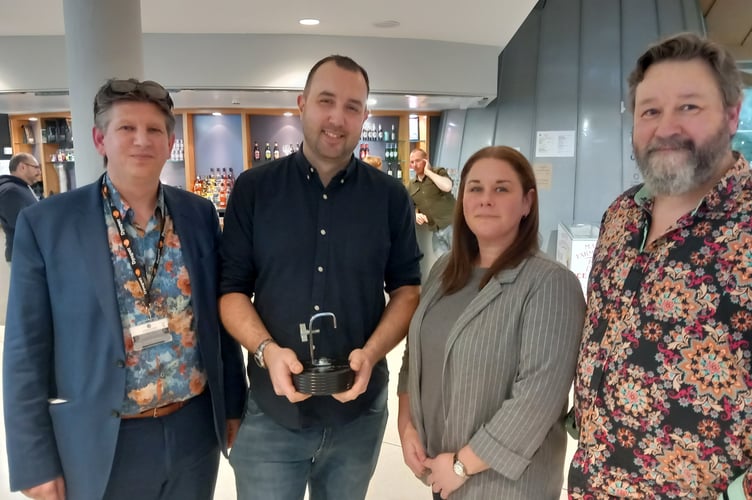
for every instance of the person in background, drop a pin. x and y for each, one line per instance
(349, 236)
(431, 192)
(492, 347)
(16, 194)
(662, 391)
(374, 161)
(118, 382)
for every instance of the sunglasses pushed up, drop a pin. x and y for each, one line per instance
(151, 89)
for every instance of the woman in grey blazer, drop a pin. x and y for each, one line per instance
(492, 347)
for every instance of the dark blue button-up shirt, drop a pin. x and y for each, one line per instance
(301, 248)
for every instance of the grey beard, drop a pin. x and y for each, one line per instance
(668, 177)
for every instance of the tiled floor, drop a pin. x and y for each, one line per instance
(392, 480)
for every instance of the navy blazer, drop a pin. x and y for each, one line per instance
(64, 340)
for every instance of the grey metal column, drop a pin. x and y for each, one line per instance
(102, 40)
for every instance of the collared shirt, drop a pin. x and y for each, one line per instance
(169, 372)
(432, 202)
(663, 393)
(303, 249)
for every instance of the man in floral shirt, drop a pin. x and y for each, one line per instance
(662, 393)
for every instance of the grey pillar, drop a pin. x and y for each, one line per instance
(102, 40)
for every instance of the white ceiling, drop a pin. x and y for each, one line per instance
(480, 22)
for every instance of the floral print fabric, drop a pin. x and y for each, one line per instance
(168, 372)
(662, 389)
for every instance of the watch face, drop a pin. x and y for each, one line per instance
(459, 469)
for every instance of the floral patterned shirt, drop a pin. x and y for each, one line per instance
(663, 396)
(168, 372)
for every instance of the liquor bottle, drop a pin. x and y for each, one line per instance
(267, 152)
(380, 135)
(231, 179)
(362, 151)
(394, 134)
(292, 148)
(276, 151)
(222, 198)
(198, 186)
(256, 152)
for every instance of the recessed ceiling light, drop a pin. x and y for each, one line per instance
(33, 119)
(287, 113)
(216, 113)
(309, 22)
(372, 101)
(386, 24)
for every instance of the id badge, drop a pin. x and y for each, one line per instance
(149, 334)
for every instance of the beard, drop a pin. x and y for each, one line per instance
(686, 166)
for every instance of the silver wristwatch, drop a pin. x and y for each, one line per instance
(459, 468)
(258, 356)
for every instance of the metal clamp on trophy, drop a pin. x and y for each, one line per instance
(322, 376)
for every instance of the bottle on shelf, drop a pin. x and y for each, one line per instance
(393, 134)
(292, 148)
(267, 152)
(256, 152)
(380, 134)
(231, 179)
(198, 186)
(276, 151)
(362, 151)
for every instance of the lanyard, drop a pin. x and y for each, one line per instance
(128, 245)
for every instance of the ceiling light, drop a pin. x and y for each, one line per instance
(287, 113)
(33, 119)
(309, 22)
(372, 101)
(216, 113)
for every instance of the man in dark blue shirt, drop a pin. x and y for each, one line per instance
(317, 231)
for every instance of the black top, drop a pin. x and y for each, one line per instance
(15, 194)
(301, 249)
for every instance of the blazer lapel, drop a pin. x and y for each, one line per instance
(92, 236)
(489, 293)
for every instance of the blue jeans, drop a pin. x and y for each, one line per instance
(272, 462)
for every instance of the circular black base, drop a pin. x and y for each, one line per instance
(324, 380)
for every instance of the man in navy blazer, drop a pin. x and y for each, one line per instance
(118, 380)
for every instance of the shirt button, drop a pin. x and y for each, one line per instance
(120, 363)
(323, 232)
(308, 177)
(325, 197)
(316, 308)
(342, 181)
(115, 413)
(321, 269)
(311, 169)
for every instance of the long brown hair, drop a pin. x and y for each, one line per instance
(465, 244)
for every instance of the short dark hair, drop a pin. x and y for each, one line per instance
(687, 47)
(465, 244)
(18, 159)
(132, 90)
(343, 62)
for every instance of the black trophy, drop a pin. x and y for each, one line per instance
(322, 376)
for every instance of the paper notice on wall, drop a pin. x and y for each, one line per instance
(554, 143)
(543, 174)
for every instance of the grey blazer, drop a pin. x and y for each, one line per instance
(508, 365)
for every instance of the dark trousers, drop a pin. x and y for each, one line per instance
(169, 458)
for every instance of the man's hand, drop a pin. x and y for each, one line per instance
(427, 167)
(442, 477)
(51, 490)
(282, 364)
(232, 426)
(362, 365)
(420, 218)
